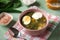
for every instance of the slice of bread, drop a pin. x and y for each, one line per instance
(53, 4)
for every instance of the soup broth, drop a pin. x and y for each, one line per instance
(31, 23)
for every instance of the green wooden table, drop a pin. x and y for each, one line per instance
(41, 4)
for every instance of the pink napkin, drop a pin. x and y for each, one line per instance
(26, 36)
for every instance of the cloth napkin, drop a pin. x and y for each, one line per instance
(53, 22)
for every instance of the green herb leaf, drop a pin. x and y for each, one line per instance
(10, 11)
(6, 4)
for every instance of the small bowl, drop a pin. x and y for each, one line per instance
(8, 15)
(29, 31)
(28, 2)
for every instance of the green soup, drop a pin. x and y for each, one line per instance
(34, 24)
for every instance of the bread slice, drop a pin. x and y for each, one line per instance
(53, 4)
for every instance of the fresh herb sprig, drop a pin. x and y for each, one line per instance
(9, 5)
